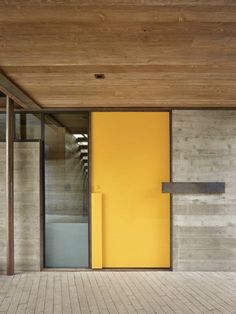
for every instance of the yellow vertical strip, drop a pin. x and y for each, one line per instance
(96, 216)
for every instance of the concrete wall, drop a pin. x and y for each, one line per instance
(27, 207)
(204, 226)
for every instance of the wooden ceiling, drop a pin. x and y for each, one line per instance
(74, 123)
(154, 53)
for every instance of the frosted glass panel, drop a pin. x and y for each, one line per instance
(67, 241)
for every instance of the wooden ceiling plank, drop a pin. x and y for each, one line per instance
(98, 14)
(80, 70)
(67, 3)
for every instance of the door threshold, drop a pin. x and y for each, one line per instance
(105, 269)
(65, 269)
(137, 269)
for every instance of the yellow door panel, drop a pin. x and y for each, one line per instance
(130, 160)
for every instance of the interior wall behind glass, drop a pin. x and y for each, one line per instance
(2, 126)
(27, 126)
(66, 191)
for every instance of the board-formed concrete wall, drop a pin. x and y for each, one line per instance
(27, 206)
(204, 226)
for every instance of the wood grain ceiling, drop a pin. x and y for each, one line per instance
(153, 53)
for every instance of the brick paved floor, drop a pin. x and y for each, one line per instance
(118, 292)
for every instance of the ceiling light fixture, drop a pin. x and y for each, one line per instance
(99, 76)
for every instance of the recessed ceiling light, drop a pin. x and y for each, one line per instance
(99, 76)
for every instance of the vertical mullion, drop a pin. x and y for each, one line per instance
(10, 184)
(42, 197)
(89, 187)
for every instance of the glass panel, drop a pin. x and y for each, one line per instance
(66, 190)
(27, 126)
(2, 126)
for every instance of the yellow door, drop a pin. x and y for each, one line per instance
(130, 160)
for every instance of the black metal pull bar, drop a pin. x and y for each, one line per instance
(193, 187)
